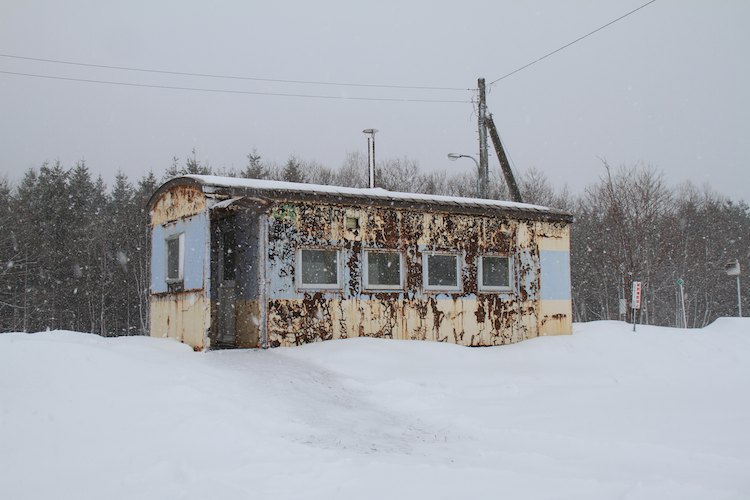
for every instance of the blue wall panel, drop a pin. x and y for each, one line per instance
(555, 274)
(195, 270)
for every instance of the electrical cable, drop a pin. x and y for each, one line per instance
(229, 77)
(571, 43)
(226, 91)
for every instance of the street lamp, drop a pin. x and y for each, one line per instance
(732, 268)
(456, 156)
(370, 133)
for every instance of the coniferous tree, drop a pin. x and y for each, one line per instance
(74, 254)
(192, 166)
(293, 171)
(255, 168)
(123, 237)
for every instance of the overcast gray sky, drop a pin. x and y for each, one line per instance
(668, 85)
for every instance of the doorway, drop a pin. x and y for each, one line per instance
(227, 283)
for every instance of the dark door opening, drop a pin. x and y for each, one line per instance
(227, 274)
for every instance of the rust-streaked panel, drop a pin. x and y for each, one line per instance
(467, 317)
(555, 317)
(181, 316)
(178, 202)
(292, 316)
(247, 323)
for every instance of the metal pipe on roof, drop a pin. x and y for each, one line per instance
(370, 132)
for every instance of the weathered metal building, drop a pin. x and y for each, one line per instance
(256, 263)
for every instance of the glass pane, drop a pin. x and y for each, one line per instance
(319, 267)
(441, 270)
(173, 259)
(384, 269)
(495, 271)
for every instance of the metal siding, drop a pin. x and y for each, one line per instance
(158, 259)
(176, 203)
(196, 266)
(555, 274)
(556, 317)
(274, 312)
(181, 316)
(466, 317)
(185, 315)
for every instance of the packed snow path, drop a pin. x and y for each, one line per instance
(604, 413)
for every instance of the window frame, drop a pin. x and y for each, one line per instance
(318, 286)
(480, 274)
(366, 274)
(180, 258)
(458, 256)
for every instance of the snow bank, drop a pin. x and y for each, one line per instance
(605, 413)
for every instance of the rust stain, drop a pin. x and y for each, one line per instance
(181, 316)
(177, 203)
(468, 317)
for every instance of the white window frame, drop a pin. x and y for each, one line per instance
(480, 274)
(366, 273)
(442, 288)
(180, 258)
(318, 286)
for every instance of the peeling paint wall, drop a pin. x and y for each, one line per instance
(265, 306)
(467, 317)
(176, 203)
(556, 313)
(182, 314)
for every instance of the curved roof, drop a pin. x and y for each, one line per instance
(291, 191)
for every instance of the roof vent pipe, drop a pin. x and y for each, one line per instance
(370, 132)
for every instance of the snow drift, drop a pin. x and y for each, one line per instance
(605, 413)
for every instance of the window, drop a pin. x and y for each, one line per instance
(383, 270)
(317, 268)
(442, 272)
(175, 258)
(352, 223)
(494, 273)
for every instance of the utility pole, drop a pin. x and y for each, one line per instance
(483, 168)
(510, 180)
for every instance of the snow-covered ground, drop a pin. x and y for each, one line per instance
(605, 413)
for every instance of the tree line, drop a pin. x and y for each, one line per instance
(74, 253)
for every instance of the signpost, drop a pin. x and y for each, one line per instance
(681, 282)
(635, 300)
(732, 268)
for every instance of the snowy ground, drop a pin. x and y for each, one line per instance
(605, 413)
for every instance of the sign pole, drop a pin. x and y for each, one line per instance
(732, 268)
(681, 282)
(739, 297)
(636, 299)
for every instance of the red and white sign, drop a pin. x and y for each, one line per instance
(636, 299)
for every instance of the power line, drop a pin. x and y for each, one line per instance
(229, 77)
(571, 43)
(226, 91)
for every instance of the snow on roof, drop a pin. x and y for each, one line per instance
(208, 181)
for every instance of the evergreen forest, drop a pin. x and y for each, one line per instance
(74, 252)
